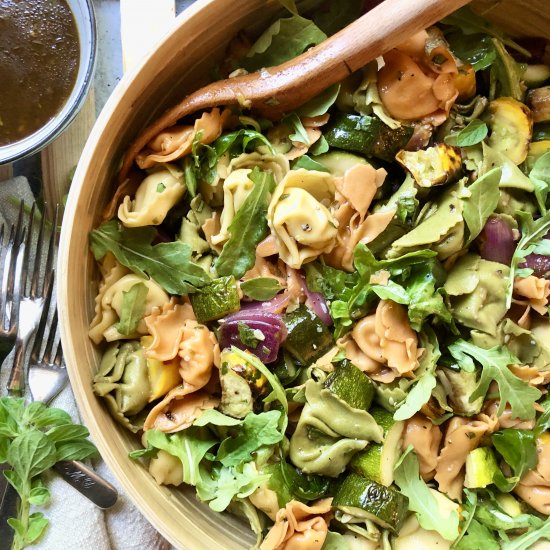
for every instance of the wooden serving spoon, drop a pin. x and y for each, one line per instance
(277, 90)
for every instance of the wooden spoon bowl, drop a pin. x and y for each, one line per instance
(277, 90)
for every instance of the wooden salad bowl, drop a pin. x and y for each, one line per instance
(178, 66)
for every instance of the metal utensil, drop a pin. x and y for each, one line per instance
(46, 378)
(33, 293)
(11, 263)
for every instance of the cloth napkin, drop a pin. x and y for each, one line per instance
(76, 523)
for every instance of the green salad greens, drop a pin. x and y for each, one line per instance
(336, 324)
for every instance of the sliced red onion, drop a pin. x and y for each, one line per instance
(539, 264)
(270, 327)
(275, 305)
(317, 303)
(497, 241)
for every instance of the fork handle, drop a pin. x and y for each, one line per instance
(87, 482)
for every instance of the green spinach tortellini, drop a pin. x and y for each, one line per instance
(477, 291)
(329, 432)
(123, 381)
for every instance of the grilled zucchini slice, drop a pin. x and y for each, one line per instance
(433, 166)
(511, 125)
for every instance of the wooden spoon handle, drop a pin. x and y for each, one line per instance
(277, 90)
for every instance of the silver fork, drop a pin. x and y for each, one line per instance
(33, 293)
(46, 377)
(11, 265)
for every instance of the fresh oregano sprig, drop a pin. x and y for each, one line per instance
(33, 438)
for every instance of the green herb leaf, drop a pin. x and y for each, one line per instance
(261, 288)
(321, 103)
(519, 450)
(169, 264)
(283, 40)
(513, 390)
(477, 50)
(190, 446)
(37, 524)
(133, 308)
(247, 229)
(305, 161)
(421, 499)
(543, 421)
(477, 536)
(31, 453)
(483, 199)
(540, 176)
(300, 133)
(506, 72)
(256, 430)
(529, 538)
(475, 132)
(216, 418)
(39, 496)
(248, 336)
(238, 142)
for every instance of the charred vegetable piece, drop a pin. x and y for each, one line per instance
(365, 498)
(511, 124)
(216, 300)
(242, 385)
(541, 131)
(351, 385)
(308, 337)
(435, 165)
(367, 135)
(539, 101)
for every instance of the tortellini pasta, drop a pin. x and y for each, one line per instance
(441, 226)
(299, 216)
(155, 196)
(236, 189)
(463, 435)
(123, 381)
(277, 164)
(477, 290)
(299, 525)
(111, 304)
(166, 469)
(329, 432)
(425, 438)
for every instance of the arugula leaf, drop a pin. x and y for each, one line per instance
(133, 307)
(421, 499)
(300, 133)
(305, 161)
(169, 264)
(529, 538)
(256, 430)
(238, 142)
(477, 50)
(222, 484)
(540, 176)
(321, 103)
(261, 288)
(483, 199)
(190, 446)
(426, 380)
(506, 72)
(247, 229)
(283, 40)
(477, 536)
(532, 231)
(475, 132)
(212, 416)
(513, 390)
(543, 421)
(519, 450)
